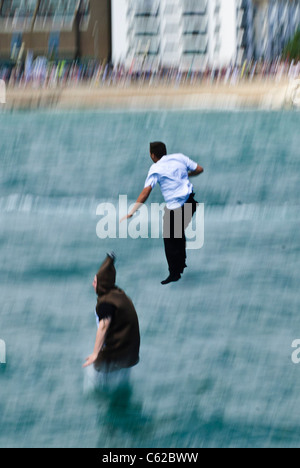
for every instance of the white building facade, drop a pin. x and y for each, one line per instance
(183, 33)
(195, 34)
(174, 33)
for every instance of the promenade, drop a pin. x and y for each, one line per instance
(256, 94)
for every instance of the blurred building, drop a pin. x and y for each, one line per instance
(245, 30)
(189, 33)
(66, 29)
(265, 26)
(199, 33)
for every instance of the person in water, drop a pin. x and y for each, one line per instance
(172, 174)
(118, 337)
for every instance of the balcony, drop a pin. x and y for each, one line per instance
(195, 45)
(147, 26)
(198, 25)
(145, 46)
(194, 7)
(17, 15)
(143, 8)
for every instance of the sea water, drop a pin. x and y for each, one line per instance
(216, 366)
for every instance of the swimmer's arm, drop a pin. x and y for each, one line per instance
(144, 195)
(101, 333)
(199, 170)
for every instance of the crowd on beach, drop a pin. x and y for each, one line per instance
(44, 74)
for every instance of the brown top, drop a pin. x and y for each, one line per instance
(122, 341)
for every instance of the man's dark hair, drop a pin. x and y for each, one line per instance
(159, 149)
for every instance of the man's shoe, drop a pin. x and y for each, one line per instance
(171, 279)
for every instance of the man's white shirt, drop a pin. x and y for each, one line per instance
(171, 173)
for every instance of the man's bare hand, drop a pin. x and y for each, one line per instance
(140, 201)
(197, 172)
(126, 217)
(90, 360)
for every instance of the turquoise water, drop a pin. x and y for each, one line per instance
(216, 367)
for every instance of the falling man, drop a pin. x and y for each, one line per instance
(117, 343)
(172, 173)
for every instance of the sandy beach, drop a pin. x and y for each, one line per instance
(256, 94)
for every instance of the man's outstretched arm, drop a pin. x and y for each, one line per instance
(199, 170)
(144, 195)
(100, 338)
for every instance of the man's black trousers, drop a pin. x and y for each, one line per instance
(175, 224)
